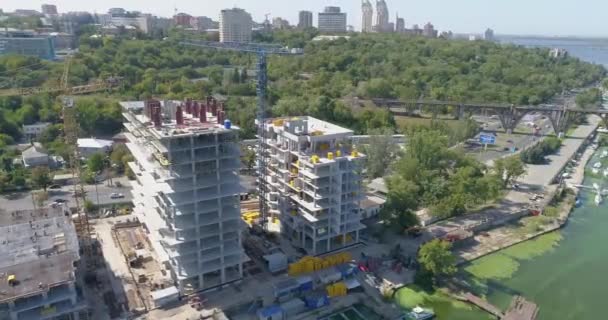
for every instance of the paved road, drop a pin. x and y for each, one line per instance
(24, 201)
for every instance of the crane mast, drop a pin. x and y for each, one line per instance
(261, 51)
(71, 130)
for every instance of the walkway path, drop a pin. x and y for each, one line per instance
(500, 238)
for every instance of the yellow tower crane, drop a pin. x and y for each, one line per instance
(71, 130)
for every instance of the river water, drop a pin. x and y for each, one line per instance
(565, 272)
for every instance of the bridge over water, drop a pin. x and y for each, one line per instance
(509, 115)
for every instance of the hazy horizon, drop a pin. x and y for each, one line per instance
(549, 18)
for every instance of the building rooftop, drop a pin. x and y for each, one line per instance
(94, 143)
(371, 201)
(38, 250)
(306, 126)
(169, 126)
(35, 151)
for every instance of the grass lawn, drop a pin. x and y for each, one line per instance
(414, 121)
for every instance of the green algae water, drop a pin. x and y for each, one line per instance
(569, 280)
(563, 272)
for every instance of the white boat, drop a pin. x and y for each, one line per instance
(419, 313)
(596, 186)
(597, 165)
(598, 199)
(595, 170)
(604, 154)
(606, 172)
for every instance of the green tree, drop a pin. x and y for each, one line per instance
(95, 163)
(509, 169)
(249, 158)
(236, 77)
(401, 201)
(381, 152)
(436, 258)
(89, 206)
(41, 177)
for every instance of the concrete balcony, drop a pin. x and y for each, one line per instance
(209, 230)
(208, 218)
(211, 254)
(181, 157)
(209, 242)
(62, 308)
(210, 266)
(187, 258)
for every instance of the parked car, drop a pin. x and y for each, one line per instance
(54, 186)
(60, 201)
(116, 195)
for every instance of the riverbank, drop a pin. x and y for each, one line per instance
(504, 237)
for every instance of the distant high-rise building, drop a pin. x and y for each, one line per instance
(38, 46)
(49, 9)
(399, 24)
(203, 23)
(332, 20)
(429, 31)
(367, 18)
(280, 23)
(182, 19)
(235, 25)
(305, 19)
(381, 16)
(488, 35)
(117, 11)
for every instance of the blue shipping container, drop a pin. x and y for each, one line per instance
(305, 283)
(315, 301)
(346, 269)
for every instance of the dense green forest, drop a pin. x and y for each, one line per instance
(317, 83)
(365, 66)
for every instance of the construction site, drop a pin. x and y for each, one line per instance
(196, 245)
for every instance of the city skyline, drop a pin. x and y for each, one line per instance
(560, 17)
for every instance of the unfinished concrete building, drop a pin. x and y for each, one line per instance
(187, 188)
(37, 256)
(313, 182)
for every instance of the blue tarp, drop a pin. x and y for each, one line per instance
(314, 301)
(270, 311)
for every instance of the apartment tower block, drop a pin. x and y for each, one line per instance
(313, 182)
(187, 188)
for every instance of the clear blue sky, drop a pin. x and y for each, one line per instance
(541, 17)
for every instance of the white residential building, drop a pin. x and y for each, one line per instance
(35, 156)
(331, 20)
(89, 146)
(313, 182)
(235, 25)
(32, 131)
(187, 188)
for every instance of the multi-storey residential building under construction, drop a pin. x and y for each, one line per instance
(313, 182)
(187, 188)
(37, 257)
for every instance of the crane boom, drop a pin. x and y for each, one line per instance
(261, 50)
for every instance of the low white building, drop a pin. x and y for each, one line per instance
(35, 156)
(371, 206)
(90, 146)
(32, 131)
